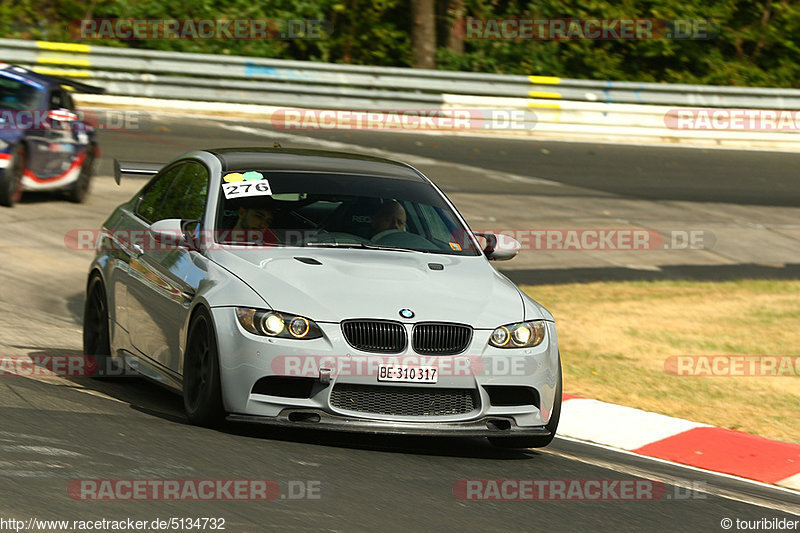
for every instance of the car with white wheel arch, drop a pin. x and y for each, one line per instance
(322, 290)
(46, 144)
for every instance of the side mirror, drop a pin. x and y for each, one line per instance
(169, 233)
(499, 247)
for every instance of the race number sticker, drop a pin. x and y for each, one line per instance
(237, 185)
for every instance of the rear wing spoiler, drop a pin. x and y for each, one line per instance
(134, 168)
(78, 86)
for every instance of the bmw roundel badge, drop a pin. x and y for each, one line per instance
(407, 313)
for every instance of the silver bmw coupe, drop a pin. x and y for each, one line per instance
(323, 290)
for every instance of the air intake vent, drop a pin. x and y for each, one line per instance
(285, 386)
(441, 338)
(507, 396)
(403, 401)
(308, 260)
(375, 335)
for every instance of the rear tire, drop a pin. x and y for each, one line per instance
(11, 180)
(80, 189)
(551, 426)
(202, 392)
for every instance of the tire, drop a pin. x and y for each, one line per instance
(202, 392)
(96, 337)
(11, 180)
(536, 442)
(80, 189)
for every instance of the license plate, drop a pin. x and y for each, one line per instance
(408, 374)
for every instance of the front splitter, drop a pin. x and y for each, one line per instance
(489, 426)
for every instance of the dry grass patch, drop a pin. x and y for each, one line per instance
(615, 337)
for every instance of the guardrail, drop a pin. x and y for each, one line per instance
(133, 72)
(563, 107)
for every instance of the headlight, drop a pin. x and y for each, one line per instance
(519, 335)
(276, 324)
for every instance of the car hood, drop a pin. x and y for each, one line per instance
(353, 283)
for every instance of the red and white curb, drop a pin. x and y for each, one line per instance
(681, 441)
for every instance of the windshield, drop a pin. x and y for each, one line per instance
(307, 209)
(17, 95)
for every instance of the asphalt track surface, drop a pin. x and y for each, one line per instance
(56, 430)
(648, 172)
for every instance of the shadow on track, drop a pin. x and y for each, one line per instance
(156, 401)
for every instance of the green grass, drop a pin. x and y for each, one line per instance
(615, 337)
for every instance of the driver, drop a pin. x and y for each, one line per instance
(254, 223)
(254, 218)
(389, 217)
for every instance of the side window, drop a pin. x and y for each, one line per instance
(68, 103)
(57, 98)
(153, 197)
(186, 198)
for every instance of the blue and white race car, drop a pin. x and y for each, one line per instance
(44, 142)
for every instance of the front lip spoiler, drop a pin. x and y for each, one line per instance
(471, 428)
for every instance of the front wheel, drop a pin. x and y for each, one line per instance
(202, 392)
(11, 180)
(536, 442)
(96, 338)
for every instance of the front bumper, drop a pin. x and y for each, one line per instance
(246, 358)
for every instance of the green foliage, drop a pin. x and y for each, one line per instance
(756, 44)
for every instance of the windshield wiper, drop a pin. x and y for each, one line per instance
(361, 245)
(336, 244)
(254, 244)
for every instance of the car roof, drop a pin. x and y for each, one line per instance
(25, 75)
(304, 160)
(45, 81)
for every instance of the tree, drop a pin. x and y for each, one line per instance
(423, 33)
(455, 17)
